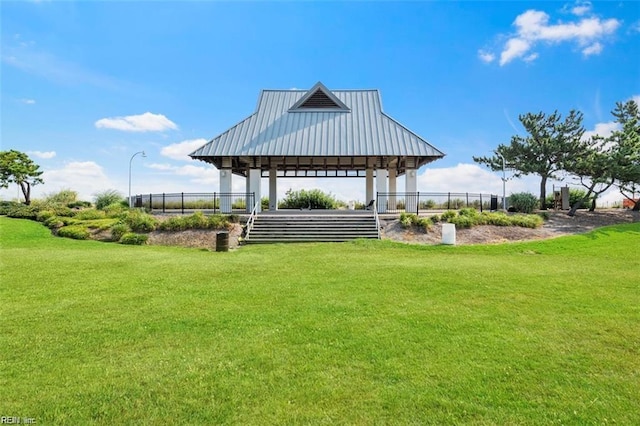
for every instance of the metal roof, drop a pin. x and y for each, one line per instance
(276, 130)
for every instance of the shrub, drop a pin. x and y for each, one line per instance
(88, 214)
(448, 215)
(106, 198)
(313, 199)
(139, 221)
(43, 215)
(427, 205)
(115, 209)
(77, 232)
(53, 222)
(523, 202)
(497, 219)
(5, 206)
(22, 211)
(79, 204)
(264, 203)
(63, 197)
(134, 239)
(118, 230)
(526, 221)
(468, 211)
(463, 221)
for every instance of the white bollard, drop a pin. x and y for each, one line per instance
(449, 234)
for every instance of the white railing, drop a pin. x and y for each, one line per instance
(375, 214)
(251, 220)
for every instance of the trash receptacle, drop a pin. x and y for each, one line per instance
(449, 234)
(222, 241)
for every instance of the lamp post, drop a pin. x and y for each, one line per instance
(504, 184)
(130, 160)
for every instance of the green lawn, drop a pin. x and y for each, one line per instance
(368, 332)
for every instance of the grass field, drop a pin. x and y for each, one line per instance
(368, 332)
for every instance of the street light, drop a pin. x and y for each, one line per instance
(504, 184)
(143, 155)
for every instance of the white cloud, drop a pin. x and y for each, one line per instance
(41, 154)
(147, 122)
(486, 57)
(636, 98)
(181, 150)
(533, 27)
(581, 8)
(85, 177)
(514, 48)
(28, 101)
(198, 174)
(593, 49)
(601, 129)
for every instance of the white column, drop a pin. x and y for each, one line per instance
(393, 174)
(273, 189)
(255, 176)
(411, 188)
(381, 186)
(369, 185)
(225, 188)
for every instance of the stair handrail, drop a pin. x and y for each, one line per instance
(251, 220)
(375, 214)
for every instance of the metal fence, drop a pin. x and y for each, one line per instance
(215, 202)
(415, 202)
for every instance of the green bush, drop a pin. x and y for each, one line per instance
(88, 214)
(139, 221)
(118, 230)
(526, 221)
(448, 215)
(575, 195)
(523, 202)
(22, 211)
(197, 221)
(134, 239)
(5, 206)
(53, 222)
(106, 198)
(63, 197)
(79, 204)
(77, 232)
(464, 221)
(43, 215)
(313, 199)
(497, 219)
(115, 209)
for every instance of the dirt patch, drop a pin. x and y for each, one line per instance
(559, 223)
(195, 238)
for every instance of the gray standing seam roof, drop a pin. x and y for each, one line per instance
(274, 130)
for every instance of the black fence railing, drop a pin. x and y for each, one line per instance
(415, 202)
(215, 202)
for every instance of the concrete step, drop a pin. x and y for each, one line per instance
(284, 228)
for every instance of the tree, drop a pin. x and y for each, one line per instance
(550, 142)
(596, 167)
(17, 167)
(627, 138)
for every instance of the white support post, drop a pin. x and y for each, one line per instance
(225, 188)
(273, 189)
(381, 186)
(411, 189)
(369, 185)
(255, 176)
(393, 174)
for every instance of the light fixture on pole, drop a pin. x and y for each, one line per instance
(130, 160)
(504, 184)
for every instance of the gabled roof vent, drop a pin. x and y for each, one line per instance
(319, 98)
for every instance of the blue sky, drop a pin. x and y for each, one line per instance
(85, 85)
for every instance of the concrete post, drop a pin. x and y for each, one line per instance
(225, 188)
(411, 189)
(381, 186)
(369, 184)
(255, 176)
(273, 190)
(393, 174)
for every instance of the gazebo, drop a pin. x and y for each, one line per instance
(318, 133)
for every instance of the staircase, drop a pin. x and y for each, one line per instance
(307, 226)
